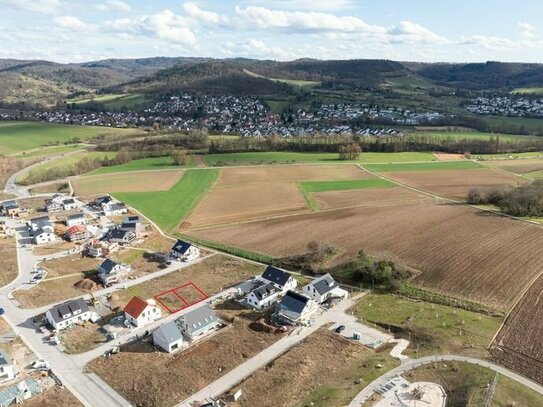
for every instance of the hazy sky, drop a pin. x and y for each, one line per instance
(421, 30)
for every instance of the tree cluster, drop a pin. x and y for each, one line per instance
(349, 152)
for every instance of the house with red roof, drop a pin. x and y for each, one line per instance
(141, 312)
(77, 233)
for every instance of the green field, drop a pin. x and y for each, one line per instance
(169, 208)
(16, 137)
(515, 123)
(435, 166)
(117, 101)
(325, 186)
(467, 135)
(145, 164)
(293, 157)
(507, 156)
(431, 328)
(49, 151)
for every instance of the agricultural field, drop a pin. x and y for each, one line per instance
(320, 371)
(430, 328)
(50, 188)
(423, 166)
(466, 135)
(291, 157)
(248, 193)
(16, 137)
(526, 167)
(145, 164)
(326, 186)
(165, 376)
(459, 251)
(455, 184)
(126, 182)
(518, 344)
(45, 152)
(117, 101)
(169, 208)
(8, 261)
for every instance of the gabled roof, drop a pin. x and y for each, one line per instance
(76, 229)
(135, 307)
(293, 304)
(198, 318)
(41, 219)
(68, 307)
(107, 265)
(119, 233)
(10, 205)
(264, 291)
(170, 331)
(68, 201)
(181, 246)
(275, 275)
(117, 206)
(78, 215)
(4, 358)
(324, 284)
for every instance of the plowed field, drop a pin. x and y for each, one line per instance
(519, 166)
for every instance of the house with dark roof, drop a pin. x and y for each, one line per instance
(69, 204)
(198, 322)
(263, 296)
(184, 251)
(133, 224)
(68, 313)
(10, 208)
(324, 288)
(141, 312)
(168, 336)
(6, 367)
(121, 236)
(110, 272)
(295, 309)
(45, 234)
(52, 205)
(281, 279)
(114, 208)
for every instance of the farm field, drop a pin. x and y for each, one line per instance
(326, 186)
(518, 344)
(431, 328)
(145, 164)
(523, 167)
(21, 136)
(467, 135)
(165, 376)
(248, 193)
(290, 157)
(48, 151)
(169, 208)
(454, 184)
(298, 382)
(460, 251)
(116, 101)
(423, 166)
(126, 182)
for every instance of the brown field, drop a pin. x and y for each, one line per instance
(50, 187)
(74, 264)
(54, 397)
(126, 182)
(518, 344)
(519, 166)
(448, 156)
(49, 292)
(8, 261)
(461, 251)
(367, 197)
(454, 183)
(322, 361)
(164, 377)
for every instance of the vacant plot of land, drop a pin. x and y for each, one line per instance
(145, 164)
(430, 328)
(54, 397)
(435, 166)
(53, 187)
(21, 136)
(49, 291)
(165, 377)
(521, 166)
(82, 338)
(211, 276)
(74, 264)
(367, 197)
(8, 261)
(460, 251)
(455, 184)
(126, 182)
(169, 208)
(291, 157)
(320, 371)
(518, 345)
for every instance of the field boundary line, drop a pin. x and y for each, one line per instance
(313, 205)
(490, 166)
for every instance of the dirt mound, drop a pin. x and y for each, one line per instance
(262, 326)
(87, 285)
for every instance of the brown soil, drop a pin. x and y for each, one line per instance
(87, 285)
(54, 397)
(448, 157)
(150, 379)
(48, 292)
(8, 261)
(454, 183)
(70, 265)
(461, 251)
(61, 186)
(518, 344)
(519, 166)
(58, 246)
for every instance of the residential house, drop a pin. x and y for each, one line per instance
(263, 296)
(198, 322)
(168, 336)
(184, 251)
(280, 279)
(69, 204)
(95, 250)
(6, 368)
(10, 208)
(38, 223)
(67, 314)
(77, 233)
(114, 209)
(43, 235)
(101, 200)
(133, 224)
(323, 288)
(121, 236)
(110, 272)
(75, 219)
(295, 309)
(140, 312)
(53, 206)
(19, 392)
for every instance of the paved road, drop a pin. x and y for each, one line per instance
(413, 363)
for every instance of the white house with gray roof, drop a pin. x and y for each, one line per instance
(168, 337)
(281, 279)
(7, 372)
(323, 288)
(68, 313)
(295, 309)
(198, 322)
(263, 296)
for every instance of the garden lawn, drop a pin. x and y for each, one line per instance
(169, 208)
(435, 166)
(324, 186)
(145, 164)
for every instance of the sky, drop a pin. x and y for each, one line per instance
(405, 30)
